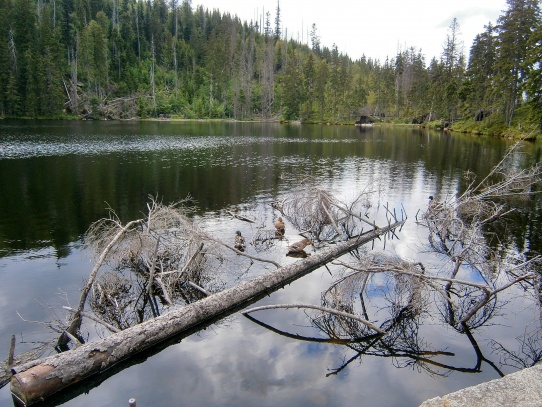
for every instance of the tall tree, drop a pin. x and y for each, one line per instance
(315, 39)
(481, 72)
(21, 36)
(453, 62)
(278, 23)
(514, 29)
(292, 87)
(267, 26)
(93, 58)
(533, 69)
(4, 54)
(322, 77)
(309, 87)
(267, 78)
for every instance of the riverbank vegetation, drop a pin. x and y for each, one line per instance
(120, 59)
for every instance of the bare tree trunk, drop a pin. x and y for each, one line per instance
(153, 84)
(41, 378)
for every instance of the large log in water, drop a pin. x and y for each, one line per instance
(34, 381)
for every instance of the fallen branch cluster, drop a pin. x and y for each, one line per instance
(318, 213)
(466, 292)
(458, 225)
(161, 260)
(40, 378)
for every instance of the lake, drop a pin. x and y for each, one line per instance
(57, 178)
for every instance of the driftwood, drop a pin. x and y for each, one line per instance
(240, 217)
(76, 321)
(38, 379)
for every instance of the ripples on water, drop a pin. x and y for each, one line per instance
(11, 147)
(234, 362)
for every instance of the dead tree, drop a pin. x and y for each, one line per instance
(457, 229)
(319, 214)
(154, 262)
(38, 379)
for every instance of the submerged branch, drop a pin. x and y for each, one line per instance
(318, 308)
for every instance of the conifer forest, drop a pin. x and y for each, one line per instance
(121, 59)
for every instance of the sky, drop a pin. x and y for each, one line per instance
(375, 28)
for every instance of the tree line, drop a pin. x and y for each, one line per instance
(141, 58)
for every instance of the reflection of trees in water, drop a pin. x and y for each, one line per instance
(463, 293)
(528, 354)
(403, 292)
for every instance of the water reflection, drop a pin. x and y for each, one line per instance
(465, 294)
(57, 180)
(401, 305)
(53, 190)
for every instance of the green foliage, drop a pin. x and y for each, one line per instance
(111, 58)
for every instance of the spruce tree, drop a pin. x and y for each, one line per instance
(514, 29)
(480, 72)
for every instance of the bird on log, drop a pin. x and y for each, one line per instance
(280, 228)
(299, 246)
(239, 241)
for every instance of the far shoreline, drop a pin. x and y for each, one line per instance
(463, 126)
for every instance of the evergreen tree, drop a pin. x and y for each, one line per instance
(533, 69)
(292, 88)
(4, 55)
(309, 88)
(438, 103)
(453, 63)
(315, 40)
(21, 37)
(514, 29)
(93, 58)
(481, 72)
(278, 30)
(322, 77)
(163, 56)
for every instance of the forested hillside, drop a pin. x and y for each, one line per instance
(141, 58)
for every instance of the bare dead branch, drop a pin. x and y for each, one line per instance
(318, 308)
(94, 318)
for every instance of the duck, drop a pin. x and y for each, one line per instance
(239, 241)
(432, 204)
(299, 246)
(280, 227)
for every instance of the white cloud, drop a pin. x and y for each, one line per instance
(377, 28)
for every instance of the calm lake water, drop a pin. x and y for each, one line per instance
(57, 178)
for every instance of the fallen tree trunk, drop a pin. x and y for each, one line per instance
(36, 380)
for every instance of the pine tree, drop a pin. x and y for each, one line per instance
(481, 71)
(533, 69)
(453, 62)
(4, 55)
(322, 77)
(93, 58)
(292, 88)
(514, 29)
(22, 34)
(309, 87)
(315, 40)
(278, 30)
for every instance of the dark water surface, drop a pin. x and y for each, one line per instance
(56, 178)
